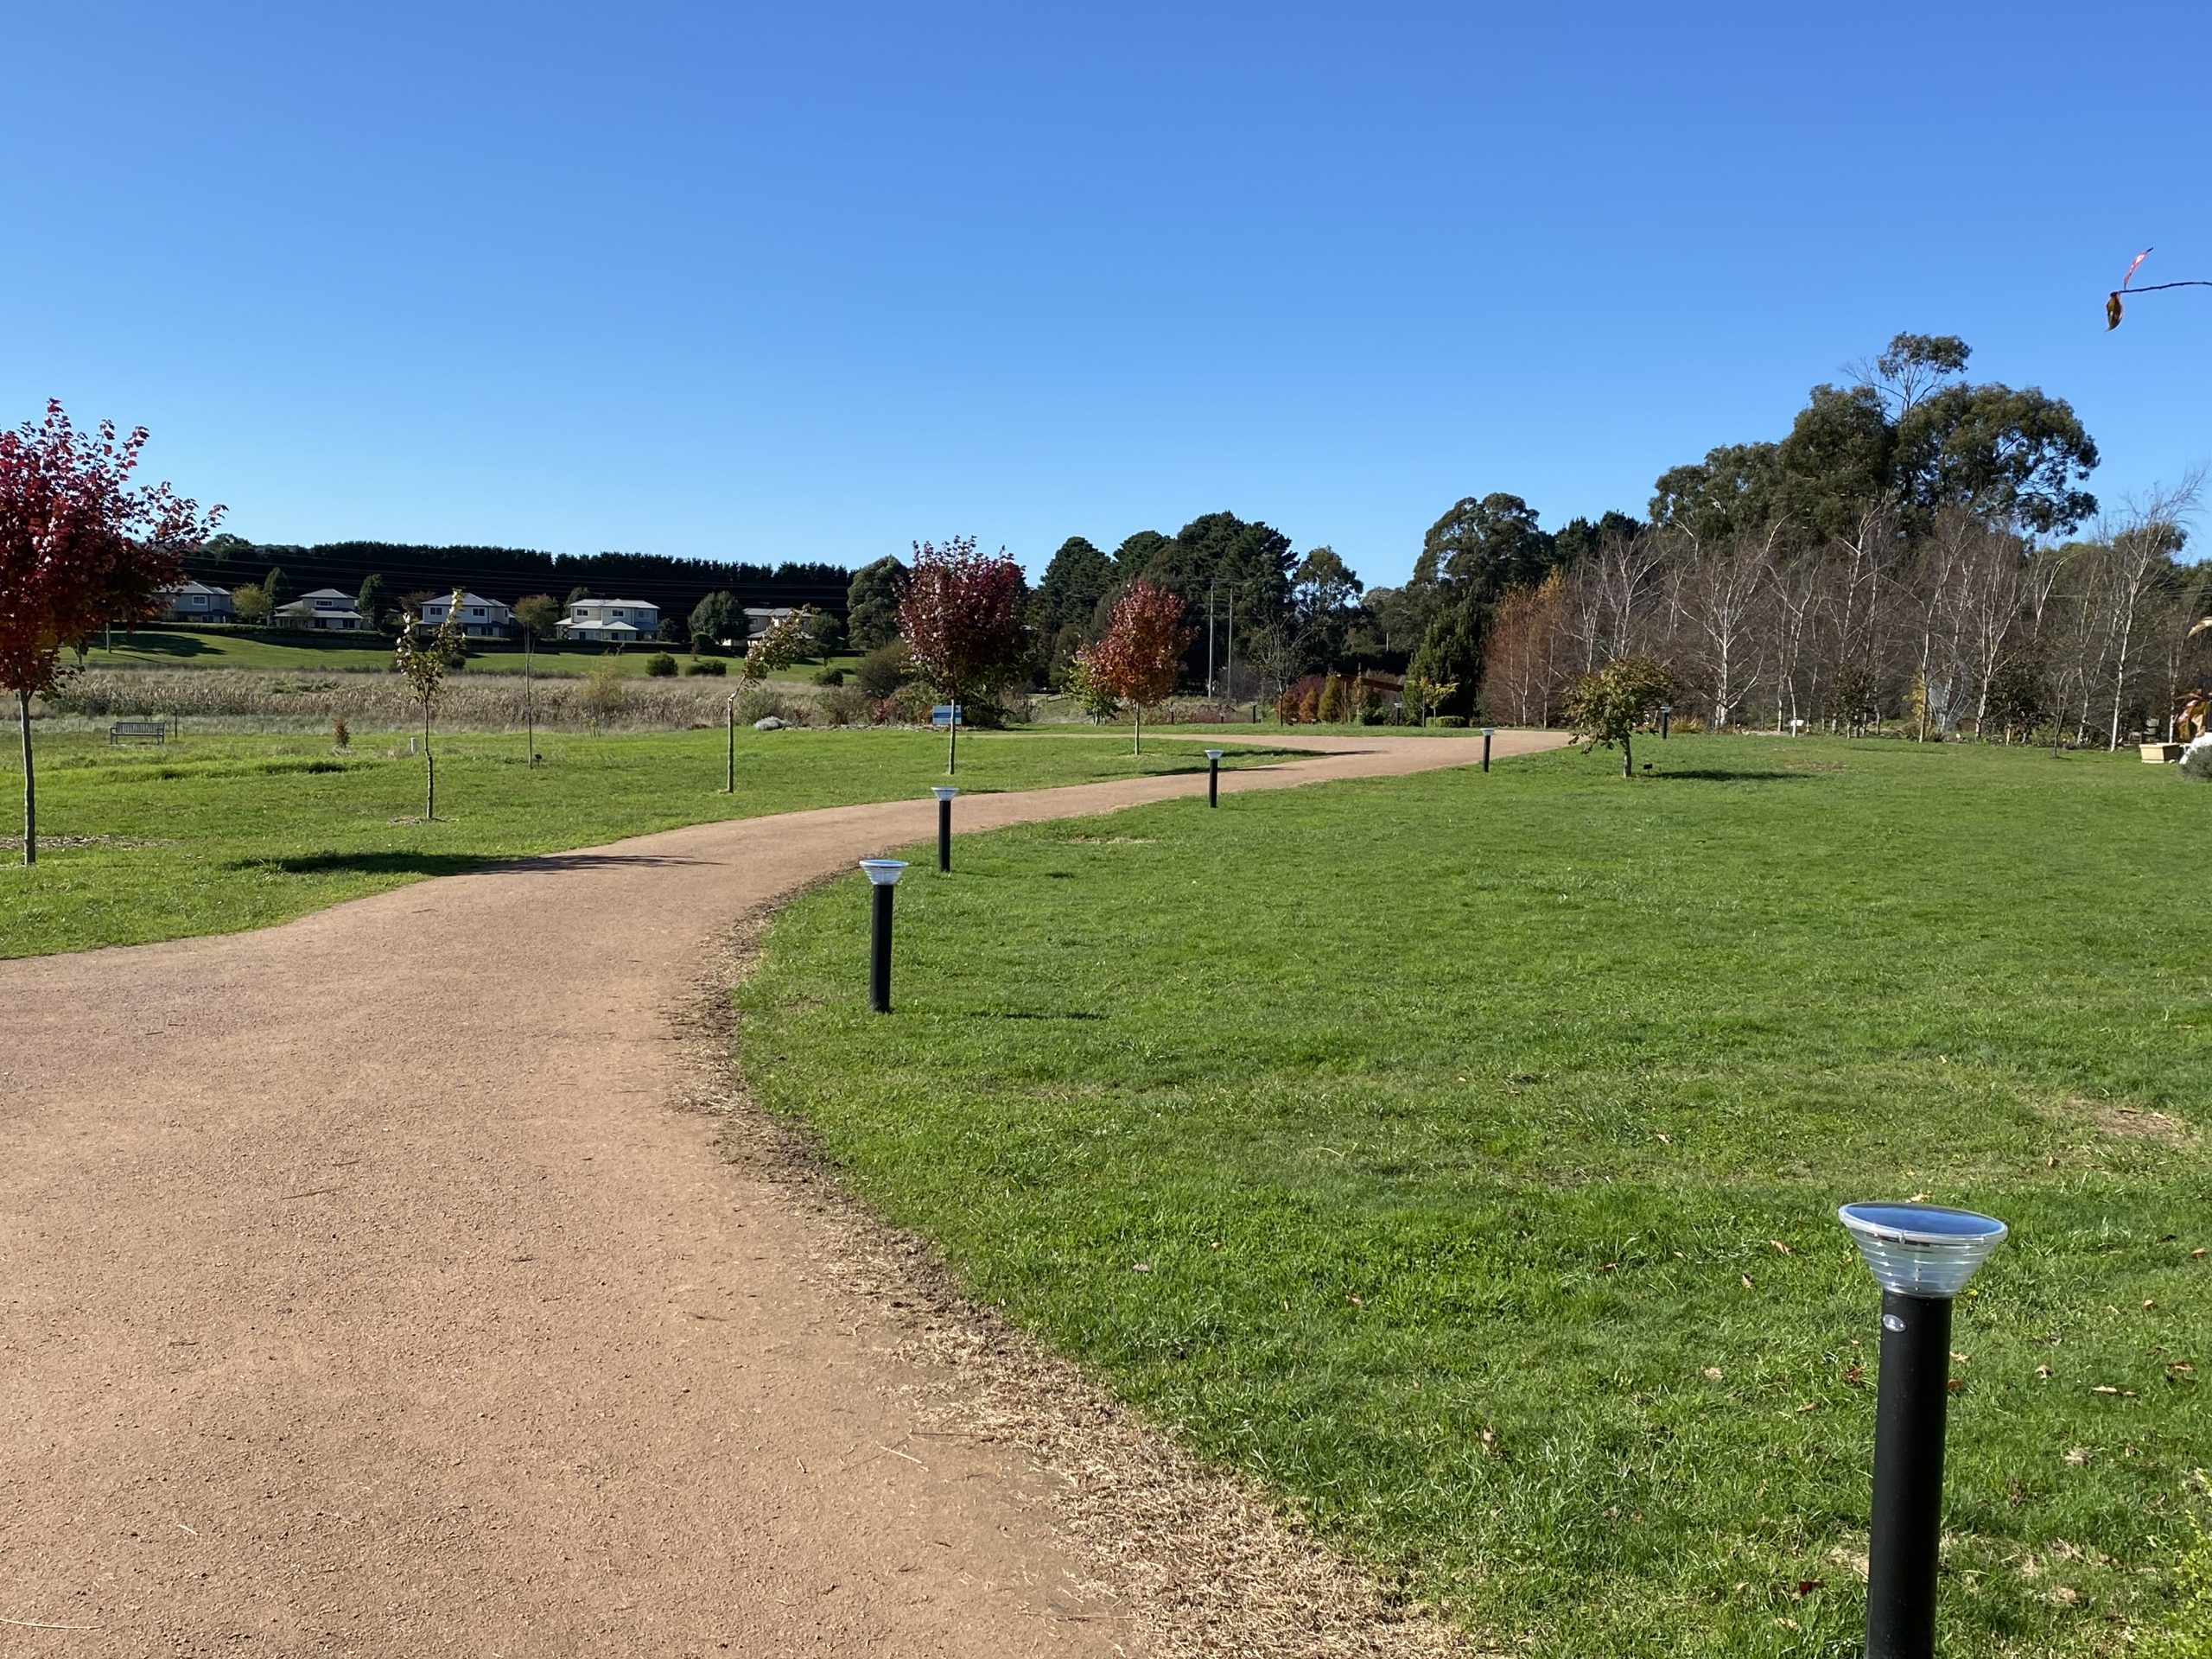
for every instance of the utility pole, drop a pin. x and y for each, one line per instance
(1229, 672)
(1210, 582)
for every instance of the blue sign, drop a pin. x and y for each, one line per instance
(947, 713)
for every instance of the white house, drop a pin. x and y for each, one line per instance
(758, 619)
(480, 618)
(195, 601)
(325, 609)
(610, 621)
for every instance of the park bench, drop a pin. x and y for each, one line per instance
(156, 730)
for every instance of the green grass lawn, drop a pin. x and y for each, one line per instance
(1459, 1155)
(324, 653)
(214, 834)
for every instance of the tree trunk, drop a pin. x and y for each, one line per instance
(430, 772)
(952, 740)
(30, 785)
(1136, 740)
(1628, 758)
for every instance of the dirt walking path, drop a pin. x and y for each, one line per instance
(360, 1292)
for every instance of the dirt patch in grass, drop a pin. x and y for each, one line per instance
(2129, 1122)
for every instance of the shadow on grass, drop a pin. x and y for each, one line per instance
(405, 863)
(1728, 775)
(159, 644)
(1027, 1013)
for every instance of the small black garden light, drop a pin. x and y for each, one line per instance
(944, 792)
(1489, 732)
(1922, 1255)
(1666, 717)
(884, 874)
(1213, 777)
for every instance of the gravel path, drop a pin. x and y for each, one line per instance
(367, 1287)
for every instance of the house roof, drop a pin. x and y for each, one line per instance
(634, 604)
(465, 599)
(191, 587)
(605, 628)
(325, 593)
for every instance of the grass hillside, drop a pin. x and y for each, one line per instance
(1460, 1155)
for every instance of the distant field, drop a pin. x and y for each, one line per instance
(1459, 1155)
(325, 654)
(214, 834)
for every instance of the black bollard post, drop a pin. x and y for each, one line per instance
(1922, 1255)
(944, 792)
(883, 874)
(1489, 732)
(1666, 719)
(1213, 777)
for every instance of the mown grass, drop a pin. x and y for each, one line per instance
(214, 834)
(157, 648)
(1459, 1155)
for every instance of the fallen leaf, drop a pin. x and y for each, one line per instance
(1806, 1587)
(1712, 1373)
(1746, 1278)
(1141, 1267)
(1664, 1136)
(1810, 1405)
(2043, 1370)
(1779, 1245)
(1353, 1299)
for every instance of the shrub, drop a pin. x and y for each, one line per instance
(603, 693)
(1447, 719)
(1687, 725)
(710, 665)
(830, 677)
(2196, 761)
(1329, 707)
(341, 733)
(883, 671)
(909, 705)
(846, 705)
(660, 666)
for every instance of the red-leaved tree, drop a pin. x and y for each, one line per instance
(1142, 654)
(963, 621)
(80, 547)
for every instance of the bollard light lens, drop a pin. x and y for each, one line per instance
(1214, 755)
(884, 872)
(1489, 731)
(1922, 1249)
(944, 791)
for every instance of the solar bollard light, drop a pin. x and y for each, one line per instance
(1489, 732)
(1922, 1255)
(1213, 777)
(1666, 719)
(884, 873)
(944, 792)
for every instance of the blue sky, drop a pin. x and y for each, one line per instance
(809, 282)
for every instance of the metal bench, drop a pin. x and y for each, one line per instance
(154, 730)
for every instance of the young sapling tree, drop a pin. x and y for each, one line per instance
(425, 662)
(1607, 707)
(963, 618)
(1140, 656)
(81, 546)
